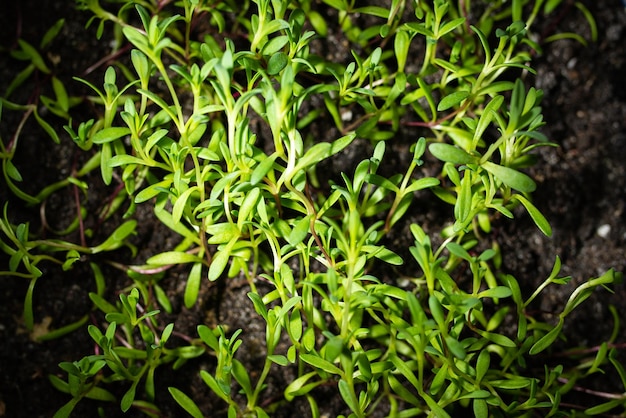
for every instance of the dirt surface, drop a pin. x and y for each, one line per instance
(581, 190)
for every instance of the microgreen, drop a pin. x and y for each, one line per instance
(218, 134)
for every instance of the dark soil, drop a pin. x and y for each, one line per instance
(581, 190)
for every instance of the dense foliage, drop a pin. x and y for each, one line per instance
(211, 113)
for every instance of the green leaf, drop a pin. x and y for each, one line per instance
(129, 397)
(482, 365)
(458, 251)
(320, 363)
(510, 177)
(117, 238)
(437, 410)
(214, 385)
(455, 347)
(486, 117)
(605, 407)
(278, 359)
(450, 26)
(481, 409)
(348, 396)
(34, 56)
(222, 233)
(100, 394)
(452, 100)
(173, 257)
(499, 339)
(277, 63)
(496, 292)
(66, 410)
(511, 384)
(388, 256)
(547, 340)
(124, 159)
(540, 220)
(208, 337)
(300, 231)
(220, 260)
(181, 204)
(185, 402)
(437, 311)
(259, 306)
(300, 386)
(192, 289)
(110, 134)
(262, 169)
(450, 153)
(12, 171)
(52, 133)
(240, 374)
(247, 206)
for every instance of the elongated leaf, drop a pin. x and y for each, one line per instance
(220, 260)
(262, 169)
(320, 363)
(110, 134)
(52, 133)
(208, 337)
(452, 99)
(348, 396)
(512, 178)
(173, 257)
(540, 220)
(185, 402)
(192, 288)
(300, 231)
(547, 340)
(486, 117)
(181, 204)
(117, 238)
(300, 386)
(124, 159)
(450, 153)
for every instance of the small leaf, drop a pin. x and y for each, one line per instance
(455, 347)
(348, 396)
(262, 169)
(129, 397)
(511, 384)
(173, 257)
(222, 233)
(277, 63)
(185, 402)
(300, 231)
(436, 311)
(12, 171)
(496, 292)
(300, 386)
(208, 337)
(192, 289)
(450, 153)
(547, 340)
(117, 237)
(481, 410)
(219, 262)
(482, 365)
(240, 374)
(540, 220)
(451, 100)
(320, 363)
(278, 359)
(110, 134)
(510, 177)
